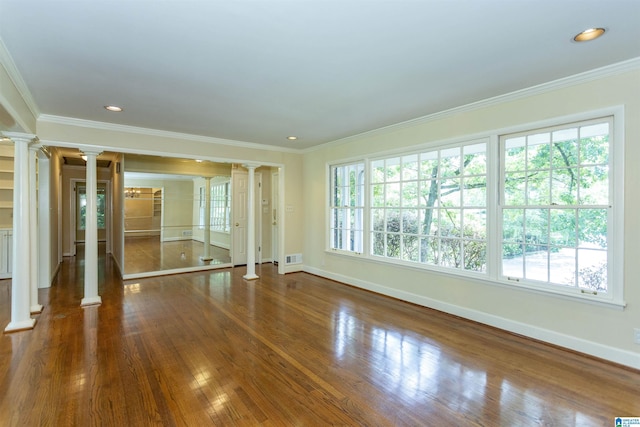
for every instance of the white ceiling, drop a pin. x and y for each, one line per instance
(258, 71)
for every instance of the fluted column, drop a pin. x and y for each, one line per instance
(21, 269)
(251, 226)
(33, 231)
(91, 296)
(206, 256)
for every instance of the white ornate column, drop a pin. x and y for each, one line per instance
(21, 269)
(33, 231)
(251, 226)
(206, 256)
(91, 296)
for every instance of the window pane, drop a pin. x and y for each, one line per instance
(429, 222)
(538, 188)
(378, 244)
(393, 245)
(592, 270)
(392, 194)
(514, 189)
(565, 153)
(513, 225)
(377, 219)
(450, 162)
(451, 223)
(475, 255)
(410, 193)
(450, 253)
(393, 220)
(562, 266)
(377, 195)
(429, 165)
(594, 149)
(594, 185)
(410, 167)
(475, 159)
(429, 250)
(410, 221)
(564, 190)
(377, 171)
(536, 263)
(562, 224)
(429, 193)
(512, 260)
(537, 153)
(592, 228)
(450, 192)
(474, 191)
(410, 249)
(515, 152)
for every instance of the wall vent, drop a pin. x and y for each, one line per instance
(293, 259)
(187, 233)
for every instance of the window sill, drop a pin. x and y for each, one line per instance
(570, 294)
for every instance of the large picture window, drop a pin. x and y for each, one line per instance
(556, 206)
(430, 207)
(538, 209)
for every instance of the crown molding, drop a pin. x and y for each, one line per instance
(584, 77)
(70, 121)
(10, 66)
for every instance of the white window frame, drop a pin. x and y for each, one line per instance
(221, 206)
(417, 207)
(613, 298)
(358, 210)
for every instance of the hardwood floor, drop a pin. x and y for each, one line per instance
(209, 348)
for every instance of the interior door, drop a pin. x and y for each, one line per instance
(275, 199)
(240, 215)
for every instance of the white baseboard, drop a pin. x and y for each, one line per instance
(595, 349)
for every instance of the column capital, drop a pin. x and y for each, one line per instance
(93, 153)
(251, 165)
(21, 137)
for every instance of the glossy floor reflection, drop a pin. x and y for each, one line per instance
(210, 348)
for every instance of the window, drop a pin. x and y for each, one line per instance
(220, 213)
(538, 209)
(221, 207)
(347, 207)
(201, 207)
(430, 207)
(556, 206)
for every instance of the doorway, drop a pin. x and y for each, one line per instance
(78, 216)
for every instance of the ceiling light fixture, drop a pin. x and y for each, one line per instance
(292, 138)
(113, 108)
(588, 35)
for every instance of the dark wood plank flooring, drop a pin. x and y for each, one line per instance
(210, 348)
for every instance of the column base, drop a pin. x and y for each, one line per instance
(36, 309)
(86, 302)
(250, 277)
(25, 325)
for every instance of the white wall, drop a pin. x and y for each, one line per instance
(602, 331)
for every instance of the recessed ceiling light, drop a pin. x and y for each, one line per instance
(590, 34)
(113, 108)
(292, 138)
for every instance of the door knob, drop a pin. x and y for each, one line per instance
(237, 224)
